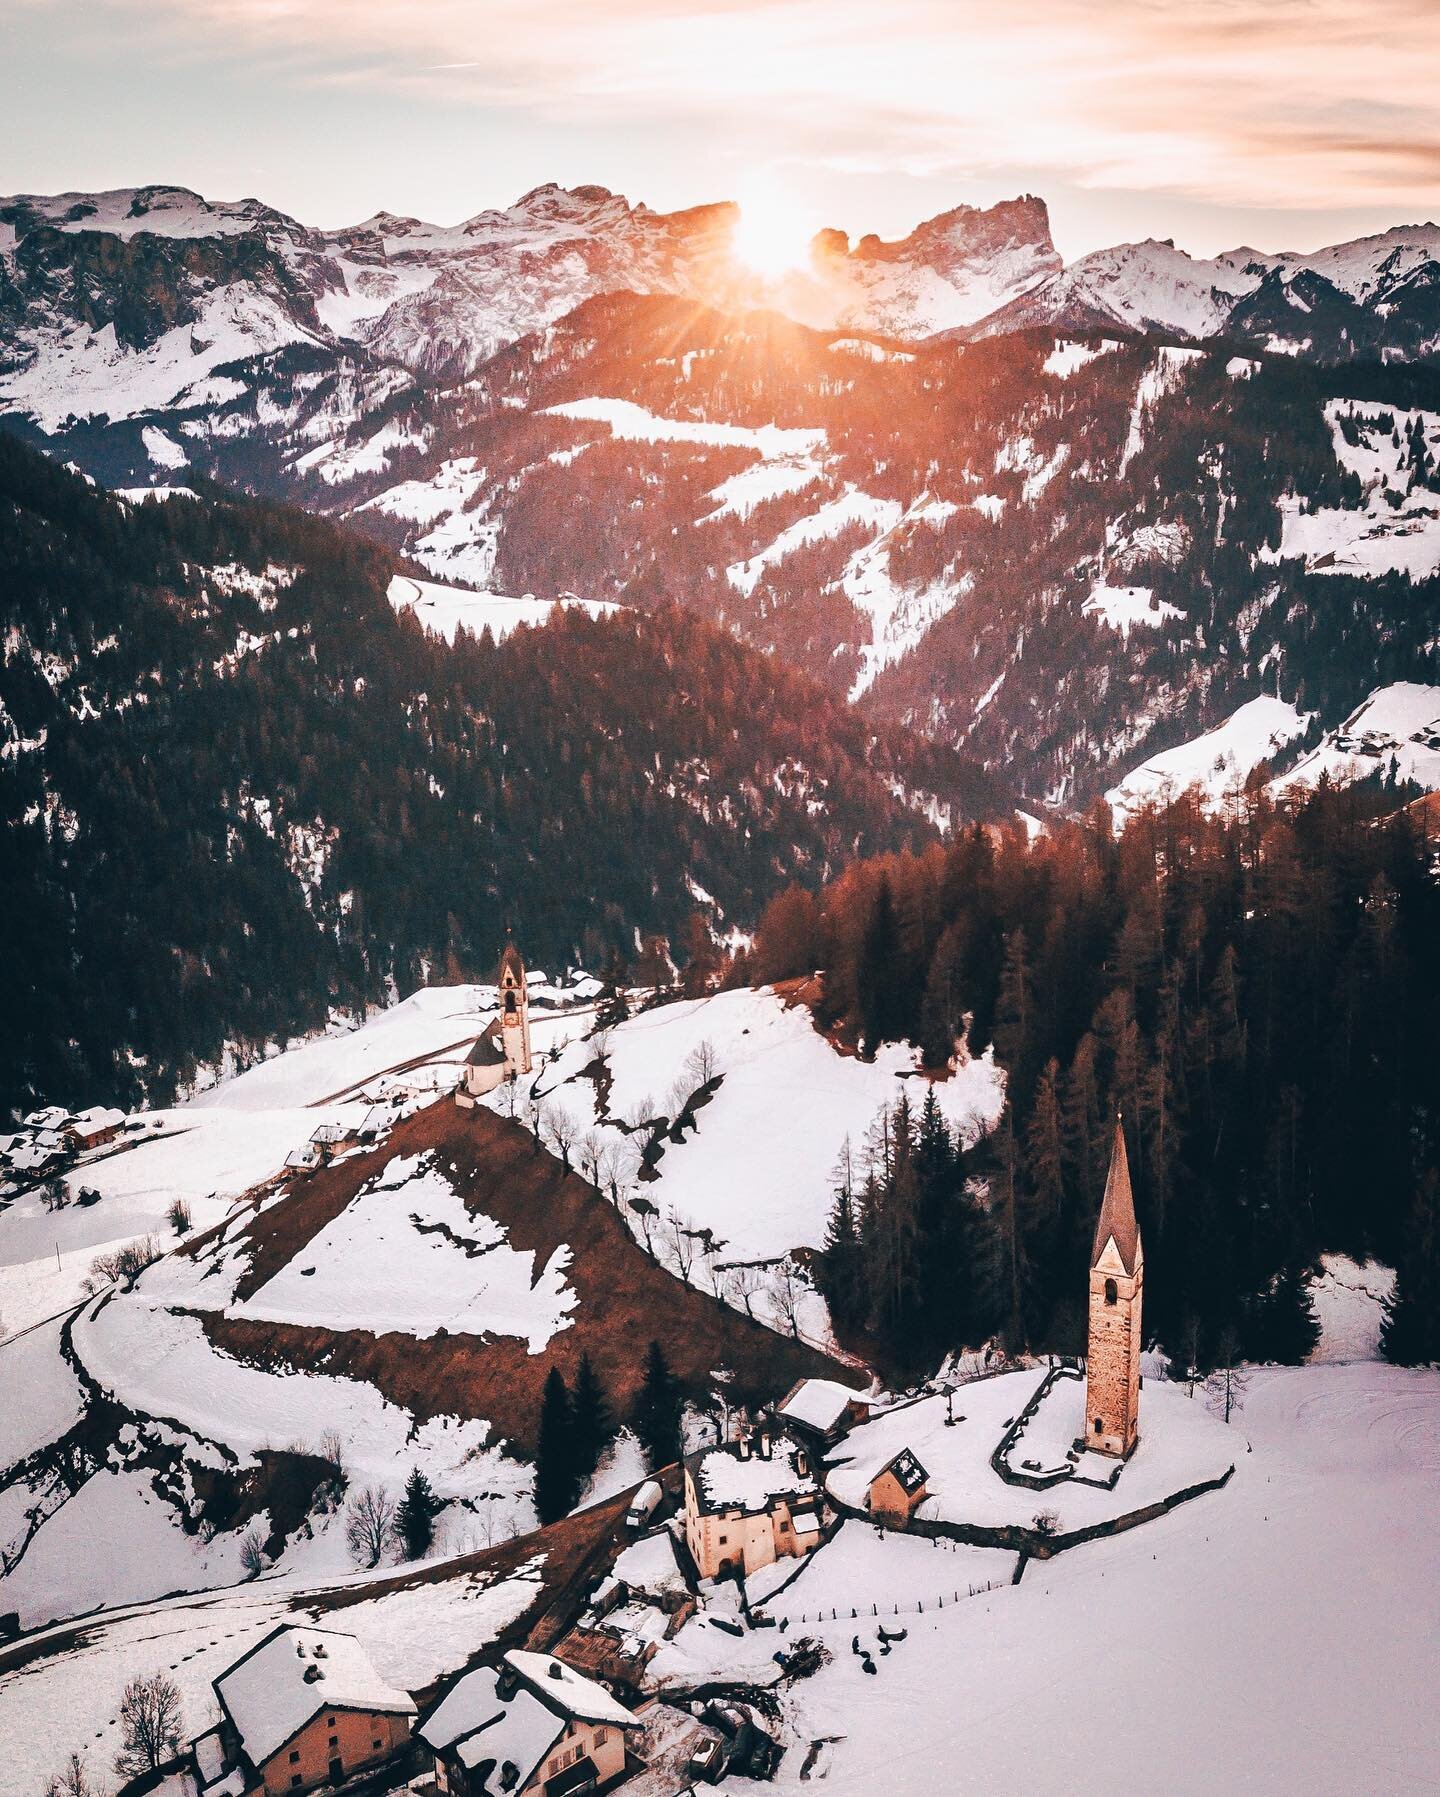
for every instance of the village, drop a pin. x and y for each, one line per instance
(818, 1525)
(701, 1621)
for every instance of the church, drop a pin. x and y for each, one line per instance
(502, 1049)
(1117, 1280)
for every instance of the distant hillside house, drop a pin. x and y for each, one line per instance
(898, 1490)
(822, 1410)
(303, 1709)
(95, 1127)
(502, 1050)
(750, 1503)
(533, 1724)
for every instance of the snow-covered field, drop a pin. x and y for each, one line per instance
(408, 1255)
(756, 1169)
(1349, 1302)
(234, 1136)
(449, 609)
(1217, 761)
(866, 1569)
(1397, 724)
(1396, 529)
(1181, 1444)
(1275, 1637)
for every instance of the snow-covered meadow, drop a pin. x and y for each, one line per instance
(1275, 1636)
(761, 1140)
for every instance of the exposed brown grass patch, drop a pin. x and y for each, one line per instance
(625, 1300)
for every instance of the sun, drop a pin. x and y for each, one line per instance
(773, 234)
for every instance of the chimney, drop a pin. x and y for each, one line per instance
(312, 1674)
(743, 1444)
(802, 1463)
(764, 1444)
(555, 1670)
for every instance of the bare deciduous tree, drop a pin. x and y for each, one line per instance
(73, 1781)
(683, 1247)
(55, 1193)
(151, 1724)
(743, 1282)
(252, 1553)
(122, 1265)
(178, 1216)
(590, 1152)
(700, 1062)
(370, 1525)
(786, 1291)
(560, 1130)
(642, 1113)
(1225, 1388)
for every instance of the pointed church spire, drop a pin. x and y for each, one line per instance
(1117, 1210)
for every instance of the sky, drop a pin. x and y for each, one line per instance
(1283, 124)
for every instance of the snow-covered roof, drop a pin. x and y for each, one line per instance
(520, 1735)
(274, 1690)
(519, 1730)
(469, 1704)
(724, 1480)
(569, 1690)
(209, 1751)
(97, 1120)
(650, 1565)
(906, 1470)
(819, 1403)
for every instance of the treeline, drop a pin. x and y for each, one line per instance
(239, 790)
(1253, 992)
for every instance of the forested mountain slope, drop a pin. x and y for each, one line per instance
(237, 788)
(1252, 994)
(1063, 555)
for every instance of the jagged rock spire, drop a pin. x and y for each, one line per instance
(1117, 1210)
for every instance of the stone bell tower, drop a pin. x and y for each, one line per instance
(514, 1012)
(1117, 1280)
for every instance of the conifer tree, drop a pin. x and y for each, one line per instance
(841, 1268)
(1410, 1334)
(658, 1411)
(557, 1477)
(415, 1516)
(594, 1424)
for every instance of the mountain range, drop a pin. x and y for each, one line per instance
(1064, 519)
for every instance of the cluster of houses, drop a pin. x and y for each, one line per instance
(305, 1710)
(50, 1140)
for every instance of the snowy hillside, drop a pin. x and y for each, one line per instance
(1217, 762)
(1395, 732)
(447, 609)
(290, 1339)
(724, 1119)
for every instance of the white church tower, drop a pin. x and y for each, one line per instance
(502, 1050)
(514, 1012)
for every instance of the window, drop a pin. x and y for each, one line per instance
(602, 1735)
(295, 1757)
(329, 1722)
(334, 1740)
(1111, 1294)
(784, 1528)
(375, 1746)
(298, 1779)
(1099, 1426)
